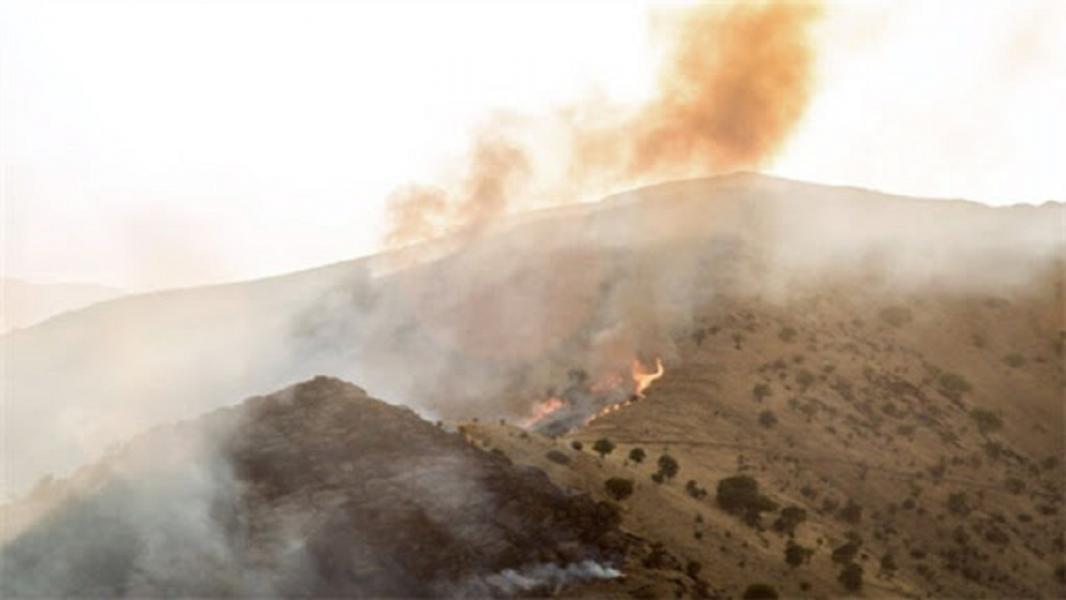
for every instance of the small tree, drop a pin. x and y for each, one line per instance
(846, 553)
(1014, 360)
(767, 419)
(760, 591)
(603, 447)
(668, 467)
(953, 385)
(619, 488)
(734, 494)
(851, 513)
(760, 391)
(987, 421)
(888, 564)
(637, 455)
(791, 516)
(796, 555)
(958, 505)
(740, 496)
(851, 577)
(693, 489)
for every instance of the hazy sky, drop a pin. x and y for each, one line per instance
(154, 144)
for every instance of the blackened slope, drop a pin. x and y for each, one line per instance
(315, 490)
(413, 510)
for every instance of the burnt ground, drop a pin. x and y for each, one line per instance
(317, 490)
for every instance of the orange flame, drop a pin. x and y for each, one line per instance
(541, 410)
(642, 378)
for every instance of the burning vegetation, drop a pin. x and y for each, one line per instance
(582, 401)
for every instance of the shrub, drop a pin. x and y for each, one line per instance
(851, 513)
(760, 591)
(953, 385)
(1014, 360)
(603, 447)
(787, 334)
(761, 391)
(896, 316)
(740, 495)
(619, 488)
(767, 419)
(957, 504)
(577, 445)
(668, 467)
(846, 553)
(986, 420)
(734, 494)
(805, 379)
(997, 536)
(637, 455)
(888, 564)
(693, 489)
(791, 516)
(796, 555)
(851, 577)
(557, 457)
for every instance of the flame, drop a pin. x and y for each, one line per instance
(541, 410)
(642, 378)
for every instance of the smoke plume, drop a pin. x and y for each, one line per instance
(735, 81)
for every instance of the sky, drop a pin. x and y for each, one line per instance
(150, 144)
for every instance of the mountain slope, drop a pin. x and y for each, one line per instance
(317, 490)
(26, 304)
(923, 430)
(483, 326)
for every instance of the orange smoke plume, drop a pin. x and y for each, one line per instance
(496, 168)
(736, 81)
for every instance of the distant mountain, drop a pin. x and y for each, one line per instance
(314, 491)
(486, 325)
(26, 304)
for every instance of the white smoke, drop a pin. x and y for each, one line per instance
(549, 576)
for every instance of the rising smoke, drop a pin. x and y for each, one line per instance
(735, 83)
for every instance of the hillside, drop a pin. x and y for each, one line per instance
(921, 433)
(26, 304)
(493, 321)
(316, 490)
(877, 380)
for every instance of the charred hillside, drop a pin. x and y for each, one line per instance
(317, 490)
